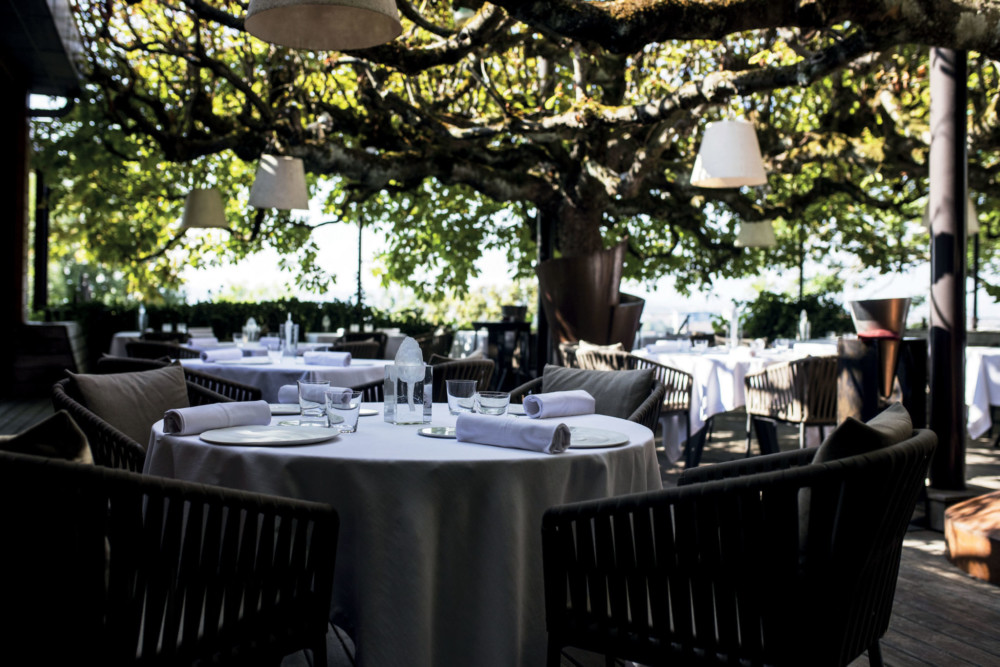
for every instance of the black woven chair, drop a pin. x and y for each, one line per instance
(231, 389)
(110, 446)
(108, 567)
(359, 349)
(141, 349)
(769, 560)
(372, 392)
(367, 336)
(480, 370)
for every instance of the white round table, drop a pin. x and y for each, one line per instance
(439, 560)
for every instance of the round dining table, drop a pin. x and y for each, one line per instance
(439, 560)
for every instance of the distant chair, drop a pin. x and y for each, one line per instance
(164, 336)
(231, 389)
(778, 560)
(706, 337)
(372, 392)
(567, 354)
(435, 343)
(801, 391)
(140, 349)
(141, 570)
(378, 336)
(480, 370)
(359, 349)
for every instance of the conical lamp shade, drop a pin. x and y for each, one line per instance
(971, 218)
(280, 183)
(203, 208)
(324, 25)
(756, 235)
(729, 157)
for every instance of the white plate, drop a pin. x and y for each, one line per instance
(438, 432)
(367, 412)
(284, 408)
(268, 436)
(584, 437)
(245, 361)
(515, 409)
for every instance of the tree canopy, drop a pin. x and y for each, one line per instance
(585, 116)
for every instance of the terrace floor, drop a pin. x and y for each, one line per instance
(941, 616)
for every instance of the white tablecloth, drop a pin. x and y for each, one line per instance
(439, 561)
(982, 388)
(118, 340)
(271, 377)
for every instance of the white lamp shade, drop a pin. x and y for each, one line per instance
(756, 235)
(971, 218)
(729, 156)
(203, 208)
(280, 183)
(324, 25)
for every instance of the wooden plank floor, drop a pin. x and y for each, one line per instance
(941, 616)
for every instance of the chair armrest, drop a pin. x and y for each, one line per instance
(747, 466)
(648, 412)
(199, 395)
(231, 389)
(529, 387)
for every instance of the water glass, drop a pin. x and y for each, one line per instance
(238, 340)
(461, 395)
(492, 402)
(311, 397)
(344, 404)
(700, 345)
(274, 351)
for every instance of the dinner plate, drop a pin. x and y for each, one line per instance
(313, 422)
(245, 361)
(268, 436)
(438, 432)
(585, 437)
(284, 408)
(367, 412)
(515, 409)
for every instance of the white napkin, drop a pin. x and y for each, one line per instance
(288, 393)
(327, 358)
(221, 354)
(201, 418)
(559, 404)
(269, 340)
(668, 346)
(508, 431)
(203, 342)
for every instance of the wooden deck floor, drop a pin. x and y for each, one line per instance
(941, 616)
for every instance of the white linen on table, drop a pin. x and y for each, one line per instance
(559, 404)
(439, 556)
(200, 418)
(982, 388)
(550, 437)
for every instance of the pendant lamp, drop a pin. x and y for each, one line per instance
(756, 235)
(971, 218)
(324, 25)
(729, 156)
(203, 208)
(280, 183)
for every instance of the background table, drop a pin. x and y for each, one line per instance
(271, 377)
(982, 388)
(439, 561)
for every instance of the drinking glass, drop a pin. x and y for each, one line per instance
(238, 340)
(344, 405)
(700, 345)
(274, 351)
(492, 402)
(311, 398)
(461, 395)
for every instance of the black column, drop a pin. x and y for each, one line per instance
(40, 295)
(948, 194)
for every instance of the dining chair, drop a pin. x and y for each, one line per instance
(142, 349)
(164, 337)
(677, 389)
(635, 395)
(379, 337)
(708, 338)
(112, 446)
(372, 392)
(359, 349)
(231, 389)
(782, 559)
(800, 391)
(480, 370)
(111, 567)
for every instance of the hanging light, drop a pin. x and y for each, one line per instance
(729, 156)
(971, 218)
(280, 183)
(203, 208)
(324, 25)
(756, 235)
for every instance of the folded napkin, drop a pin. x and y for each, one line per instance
(547, 437)
(221, 354)
(203, 342)
(269, 340)
(559, 404)
(201, 418)
(327, 358)
(289, 393)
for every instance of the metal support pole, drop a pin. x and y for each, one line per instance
(948, 187)
(975, 282)
(543, 241)
(40, 293)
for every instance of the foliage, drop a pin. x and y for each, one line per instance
(771, 316)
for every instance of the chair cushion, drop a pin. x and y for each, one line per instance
(851, 437)
(56, 437)
(133, 402)
(616, 393)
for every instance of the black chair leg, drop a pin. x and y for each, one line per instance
(875, 654)
(695, 446)
(767, 435)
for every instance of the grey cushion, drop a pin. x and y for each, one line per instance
(57, 437)
(616, 393)
(852, 437)
(133, 402)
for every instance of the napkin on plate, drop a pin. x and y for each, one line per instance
(546, 437)
(559, 404)
(201, 418)
(289, 393)
(327, 358)
(221, 354)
